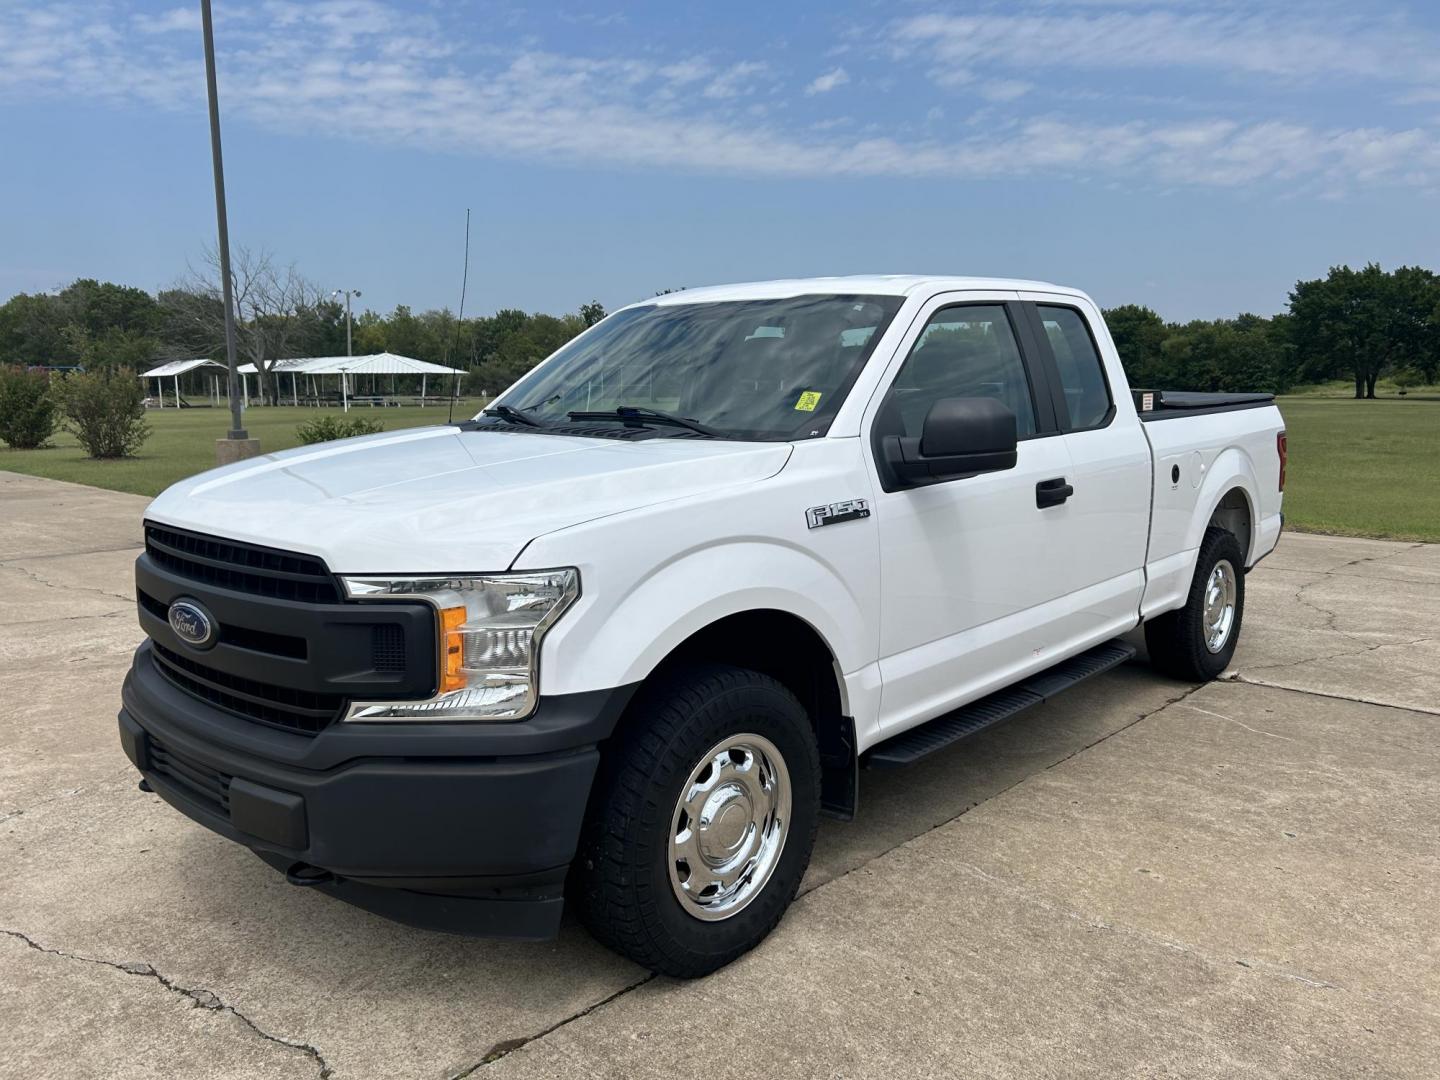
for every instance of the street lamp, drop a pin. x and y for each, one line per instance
(348, 294)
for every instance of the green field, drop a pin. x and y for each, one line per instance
(1364, 468)
(1357, 468)
(182, 443)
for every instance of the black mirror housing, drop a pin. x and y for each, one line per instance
(961, 436)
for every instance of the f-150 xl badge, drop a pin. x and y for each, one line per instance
(835, 513)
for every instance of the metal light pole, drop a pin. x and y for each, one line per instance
(348, 294)
(240, 443)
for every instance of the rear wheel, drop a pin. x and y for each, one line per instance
(702, 823)
(1197, 642)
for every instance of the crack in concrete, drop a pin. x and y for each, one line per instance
(70, 554)
(1332, 617)
(35, 577)
(1353, 577)
(1238, 677)
(509, 1046)
(1341, 655)
(128, 610)
(1412, 546)
(202, 998)
(1190, 950)
(1237, 723)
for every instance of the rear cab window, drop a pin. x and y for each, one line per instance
(1086, 393)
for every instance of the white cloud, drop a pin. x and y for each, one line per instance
(734, 81)
(357, 69)
(1283, 45)
(827, 82)
(168, 22)
(686, 71)
(1005, 89)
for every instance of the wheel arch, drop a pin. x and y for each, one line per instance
(1235, 513)
(789, 649)
(1227, 500)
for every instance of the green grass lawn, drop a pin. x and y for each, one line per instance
(182, 443)
(1364, 468)
(1357, 468)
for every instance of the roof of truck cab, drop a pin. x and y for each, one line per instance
(858, 285)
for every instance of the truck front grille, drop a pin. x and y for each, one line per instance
(288, 649)
(241, 567)
(278, 706)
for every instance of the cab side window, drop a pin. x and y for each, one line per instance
(1082, 378)
(965, 351)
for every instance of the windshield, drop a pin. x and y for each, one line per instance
(748, 369)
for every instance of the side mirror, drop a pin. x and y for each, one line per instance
(961, 436)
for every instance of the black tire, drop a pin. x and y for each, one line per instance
(1176, 640)
(621, 883)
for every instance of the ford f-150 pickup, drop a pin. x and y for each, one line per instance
(623, 637)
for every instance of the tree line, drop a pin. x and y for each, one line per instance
(1357, 325)
(279, 314)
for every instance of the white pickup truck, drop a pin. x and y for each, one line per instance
(625, 635)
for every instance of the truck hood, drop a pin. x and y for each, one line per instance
(430, 500)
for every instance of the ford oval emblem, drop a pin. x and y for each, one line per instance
(192, 624)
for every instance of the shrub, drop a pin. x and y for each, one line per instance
(326, 428)
(27, 411)
(105, 411)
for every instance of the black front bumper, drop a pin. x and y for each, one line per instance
(462, 827)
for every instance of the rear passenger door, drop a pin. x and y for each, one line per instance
(1109, 512)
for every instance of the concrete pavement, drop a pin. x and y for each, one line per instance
(1140, 878)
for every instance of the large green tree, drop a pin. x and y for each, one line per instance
(1139, 335)
(1230, 355)
(95, 323)
(1363, 323)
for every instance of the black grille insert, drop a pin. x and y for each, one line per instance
(241, 567)
(202, 784)
(387, 647)
(294, 710)
(263, 641)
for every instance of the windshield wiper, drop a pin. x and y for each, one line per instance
(515, 416)
(640, 414)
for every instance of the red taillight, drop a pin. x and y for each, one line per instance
(1282, 449)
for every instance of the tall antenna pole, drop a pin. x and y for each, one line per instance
(460, 318)
(237, 420)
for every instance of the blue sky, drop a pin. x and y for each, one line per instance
(1197, 157)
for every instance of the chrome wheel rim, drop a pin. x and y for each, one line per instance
(1219, 605)
(729, 827)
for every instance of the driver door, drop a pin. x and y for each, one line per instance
(971, 569)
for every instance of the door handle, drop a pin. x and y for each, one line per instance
(1052, 492)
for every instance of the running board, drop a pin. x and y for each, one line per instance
(919, 742)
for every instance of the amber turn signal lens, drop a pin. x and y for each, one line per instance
(452, 649)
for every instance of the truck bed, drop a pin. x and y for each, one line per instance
(1169, 404)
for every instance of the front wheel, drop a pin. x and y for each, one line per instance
(1197, 642)
(702, 823)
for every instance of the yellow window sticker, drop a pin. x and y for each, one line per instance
(808, 400)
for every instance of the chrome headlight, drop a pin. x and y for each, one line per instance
(490, 627)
